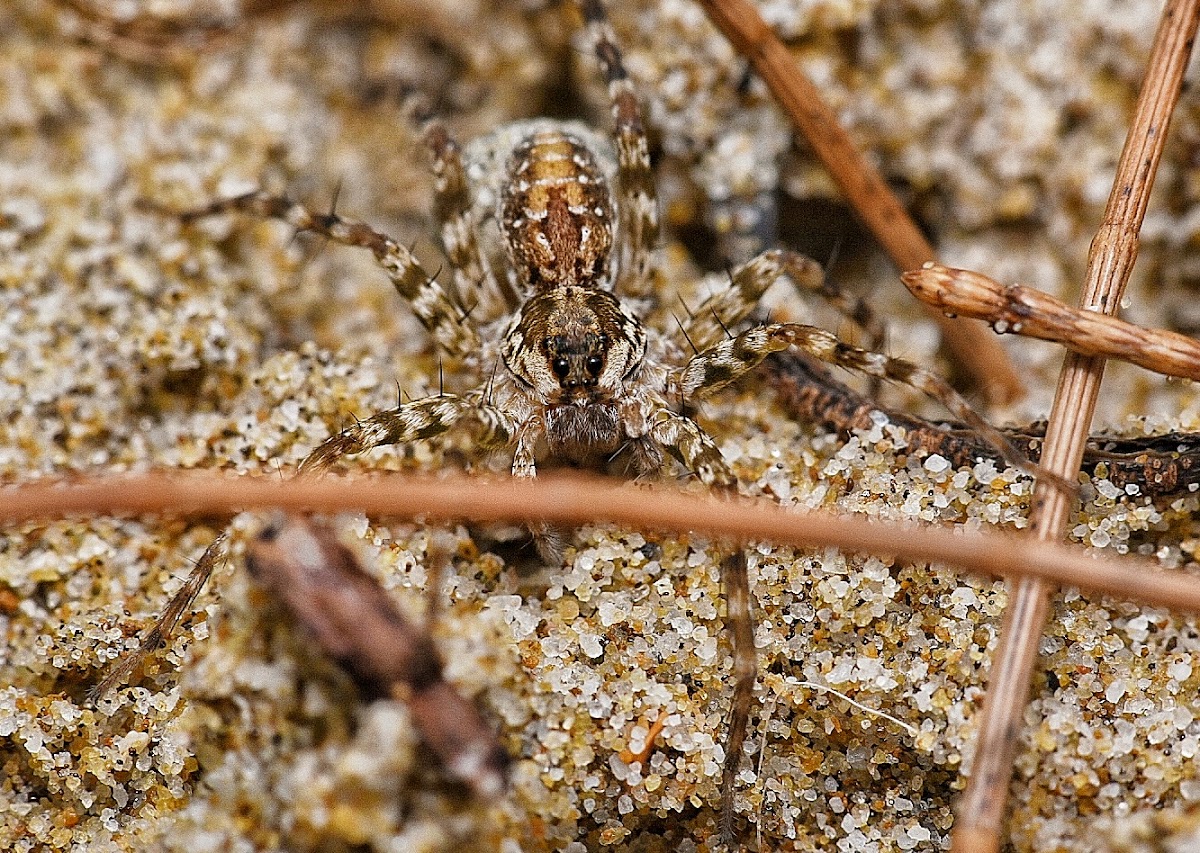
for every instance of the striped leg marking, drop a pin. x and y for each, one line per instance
(682, 437)
(637, 200)
(722, 364)
(446, 322)
(410, 422)
(707, 324)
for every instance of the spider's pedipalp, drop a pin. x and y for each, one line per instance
(446, 322)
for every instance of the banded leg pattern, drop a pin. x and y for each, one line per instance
(684, 438)
(637, 200)
(444, 320)
(709, 322)
(722, 364)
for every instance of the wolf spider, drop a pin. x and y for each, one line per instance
(566, 371)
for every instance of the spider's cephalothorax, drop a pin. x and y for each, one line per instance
(581, 379)
(573, 353)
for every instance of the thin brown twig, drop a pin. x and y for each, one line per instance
(147, 39)
(864, 188)
(1019, 310)
(1160, 467)
(573, 499)
(354, 621)
(1110, 260)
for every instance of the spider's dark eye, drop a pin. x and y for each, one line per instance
(560, 367)
(594, 365)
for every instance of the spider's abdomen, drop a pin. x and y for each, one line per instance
(557, 213)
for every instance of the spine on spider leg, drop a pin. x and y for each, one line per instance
(722, 364)
(821, 344)
(811, 395)
(356, 623)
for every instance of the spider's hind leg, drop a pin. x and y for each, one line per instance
(475, 282)
(165, 624)
(637, 199)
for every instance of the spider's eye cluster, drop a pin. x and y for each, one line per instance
(577, 360)
(561, 367)
(574, 345)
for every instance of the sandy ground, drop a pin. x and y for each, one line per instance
(129, 341)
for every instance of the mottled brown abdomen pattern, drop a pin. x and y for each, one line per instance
(557, 214)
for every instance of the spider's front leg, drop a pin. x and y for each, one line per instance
(425, 418)
(445, 321)
(683, 438)
(420, 419)
(724, 363)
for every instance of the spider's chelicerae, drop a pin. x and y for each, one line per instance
(550, 327)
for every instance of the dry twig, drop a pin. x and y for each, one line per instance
(1019, 310)
(574, 499)
(864, 188)
(1113, 251)
(1159, 467)
(352, 618)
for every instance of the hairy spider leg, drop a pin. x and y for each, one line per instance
(446, 322)
(420, 419)
(166, 622)
(723, 363)
(684, 439)
(476, 286)
(475, 283)
(707, 324)
(637, 198)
